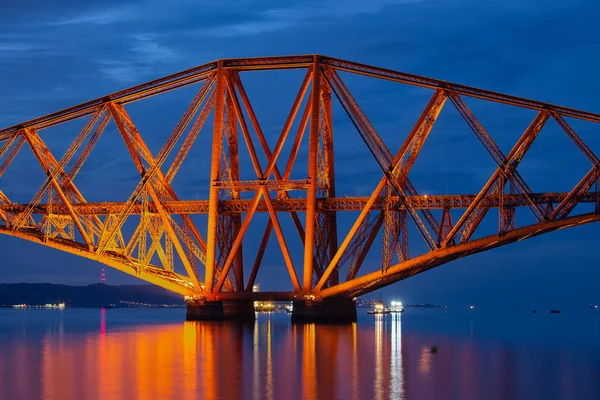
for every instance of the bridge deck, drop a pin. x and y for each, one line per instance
(323, 205)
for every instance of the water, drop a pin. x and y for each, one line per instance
(152, 354)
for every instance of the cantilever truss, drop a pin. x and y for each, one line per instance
(59, 216)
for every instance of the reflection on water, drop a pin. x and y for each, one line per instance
(110, 354)
(425, 361)
(397, 374)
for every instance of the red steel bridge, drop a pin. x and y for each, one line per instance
(209, 264)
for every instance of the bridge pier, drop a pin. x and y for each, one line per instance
(328, 311)
(225, 310)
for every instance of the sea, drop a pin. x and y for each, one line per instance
(420, 354)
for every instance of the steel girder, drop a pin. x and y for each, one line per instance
(59, 216)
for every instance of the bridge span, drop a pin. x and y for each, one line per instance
(155, 235)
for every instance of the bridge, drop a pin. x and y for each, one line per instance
(154, 236)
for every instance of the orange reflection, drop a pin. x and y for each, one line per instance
(425, 361)
(309, 373)
(154, 362)
(205, 333)
(269, 392)
(190, 360)
(355, 376)
(268, 359)
(209, 360)
(53, 370)
(214, 360)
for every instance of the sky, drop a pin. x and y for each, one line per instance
(60, 54)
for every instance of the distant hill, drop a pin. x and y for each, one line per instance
(97, 295)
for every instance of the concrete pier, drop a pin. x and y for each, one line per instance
(328, 311)
(226, 310)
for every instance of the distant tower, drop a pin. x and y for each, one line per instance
(102, 277)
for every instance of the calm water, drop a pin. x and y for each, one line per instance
(152, 354)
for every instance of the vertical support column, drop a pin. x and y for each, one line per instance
(311, 195)
(506, 213)
(403, 222)
(234, 164)
(501, 200)
(213, 202)
(328, 145)
(445, 225)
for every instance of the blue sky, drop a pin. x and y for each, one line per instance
(56, 55)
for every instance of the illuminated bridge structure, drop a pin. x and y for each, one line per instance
(209, 264)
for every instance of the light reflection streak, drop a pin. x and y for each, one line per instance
(256, 363)
(378, 389)
(208, 371)
(102, 323)
(190, 360)
(269, 394)
(396, 367)
(309, 373)
(355, 376)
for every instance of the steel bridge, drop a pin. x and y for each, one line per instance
(211, 267)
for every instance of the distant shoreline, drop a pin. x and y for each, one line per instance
(41, 307)
(100, 295)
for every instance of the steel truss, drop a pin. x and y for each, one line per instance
(59, 216)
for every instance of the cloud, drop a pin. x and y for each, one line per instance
(276, 19)
(99, 17)
(148, 49)
(15, 47)
(146, 56)
(122, 71)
